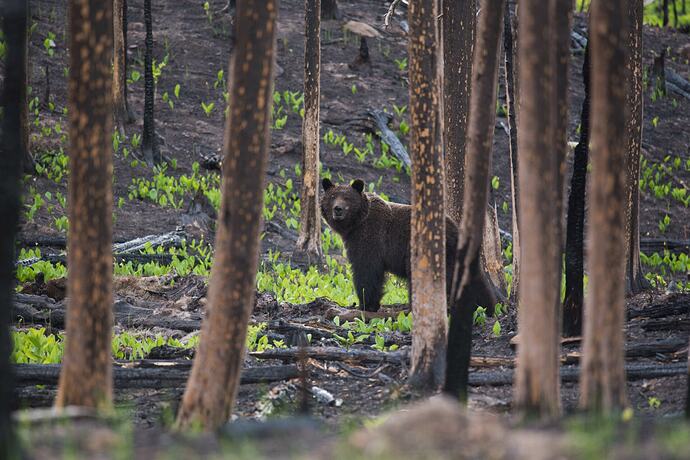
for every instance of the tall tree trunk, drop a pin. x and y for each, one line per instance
(458, 44)
(675, 14)
(122, 114)
(329, 10)
(14, 27)
(603, 385)
(149, 143)
(309, 241)
(86, 376)
(635, 281)
(28, 165)
(511, 100)
(537, 381)
(469, 283)
(215, 375)
(428, 248)
(574, 244)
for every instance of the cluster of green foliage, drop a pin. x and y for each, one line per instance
(34, 346)
(663, 266)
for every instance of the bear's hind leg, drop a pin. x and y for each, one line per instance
(369, 286)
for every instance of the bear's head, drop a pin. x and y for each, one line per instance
(344, 206)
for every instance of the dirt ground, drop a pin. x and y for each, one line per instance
(198, 48)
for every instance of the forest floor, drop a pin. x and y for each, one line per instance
(167, 299)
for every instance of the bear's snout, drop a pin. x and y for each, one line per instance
(338, 212)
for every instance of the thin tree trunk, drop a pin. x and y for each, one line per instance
(509, 67)
(635, 281)
(86, 376)
(427, 238)
(675, 14)
(574, 244)
(12, 153)
(665, 11)
(28, 165)
(329, 10)
(537, 383)
(122, 114)
(603, 374)
(458, 44)
(214, 380)
(309, 241)
(469, 283)
(149, 143)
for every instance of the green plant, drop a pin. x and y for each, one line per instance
(401, 63)
(664, 223)
(208, 108)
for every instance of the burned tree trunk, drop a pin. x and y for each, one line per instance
(603, 373)
(309, 241)
(86, 377)
(28, 165)
(575, 227)
(469, 284)
(149, 144)
(428, 248)
(122, 114)
(14, 28)
(329, 10)
(664, 8)
(635, 281)
(215, 376)
(458, 45)
(537, 384)
(511, 101)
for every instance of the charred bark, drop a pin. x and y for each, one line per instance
(122, 113)
(13, 154)
(86, 377)
(149, 143)
(469, 283)
(28, 165)
(309, 241)
(428, 248)
(575, 228)
(603, 372)
(215, 376)
(329, 10)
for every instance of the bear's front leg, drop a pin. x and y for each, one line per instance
(369, 286)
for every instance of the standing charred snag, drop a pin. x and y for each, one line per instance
(215, 376)
(86, 377)
(121, 111)
(665, 12)
(575, 227)
(511, 101)
(149, 144)
(329, 10)
(635, 281)
(537, 383)
(603, 374)
(28, 165)
(427, 238)
(14, 14)
(364, 31)
(469, 283)
(309, 241)
(458, 44)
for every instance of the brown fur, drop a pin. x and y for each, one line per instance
(376, 234)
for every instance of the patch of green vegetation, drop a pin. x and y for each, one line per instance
(664, 266)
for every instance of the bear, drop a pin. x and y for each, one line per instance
(376, 234)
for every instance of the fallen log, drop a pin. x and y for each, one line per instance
(397, 148)
(639, 350)
(572, 374)
(652, 245)
(149, 374)
(675, 79)
(674, 304)
(672, 324)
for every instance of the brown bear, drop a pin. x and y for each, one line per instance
(376, 234)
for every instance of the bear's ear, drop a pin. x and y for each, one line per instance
(358, 185)
(326, 183)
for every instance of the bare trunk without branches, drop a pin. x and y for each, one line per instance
(11, 150)
(329, 9)
(309, 242)
(149, 144)
(458, 44)
(575, 227)
(28, 165)
(86, 376)
(428, 249)
(469, 283)
(635, 281)
(121, 111)
(603, 385)
(537, 383)
(214, 381)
